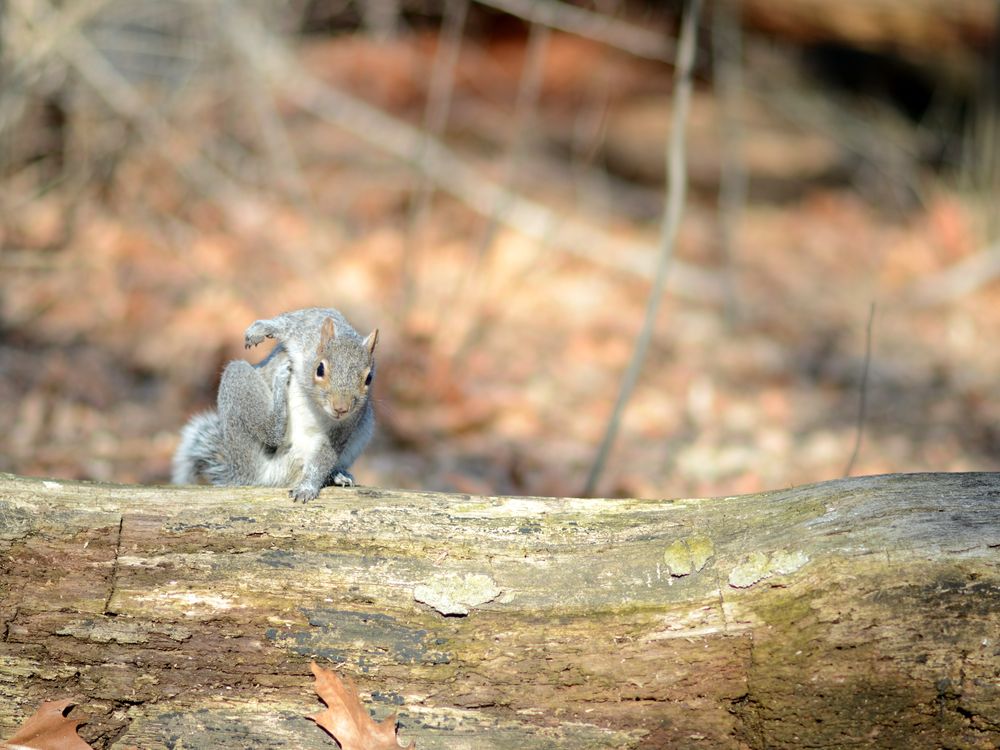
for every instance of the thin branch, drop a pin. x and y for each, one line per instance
(636, 40)
(59, 27)
(439, 96)
(279, 150)
(676, 190)
(884, 149)
(528, 90)
(863, 397)
(123, 98)
(79, 52)
(462, 181)
(381, 18)
(727, 49)
(442, 84)
(525, 112)
(959, 280)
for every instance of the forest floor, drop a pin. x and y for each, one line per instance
(500, 357)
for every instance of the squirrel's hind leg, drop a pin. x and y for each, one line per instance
(250, 408)
(341, 478)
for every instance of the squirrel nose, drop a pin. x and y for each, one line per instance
(339, 407)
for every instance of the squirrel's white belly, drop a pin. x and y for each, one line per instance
(305, 436)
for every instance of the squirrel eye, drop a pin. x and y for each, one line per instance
(368, 379)
(320, 370)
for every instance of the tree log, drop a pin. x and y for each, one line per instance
(860, 613)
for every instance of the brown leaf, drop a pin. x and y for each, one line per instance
(50, 729)
(347, 720)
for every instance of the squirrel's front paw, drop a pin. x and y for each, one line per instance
(304, 493)
(257, 332)
(343, 479)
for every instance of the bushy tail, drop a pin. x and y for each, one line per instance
(198, 458)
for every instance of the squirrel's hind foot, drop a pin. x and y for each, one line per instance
(343, 479)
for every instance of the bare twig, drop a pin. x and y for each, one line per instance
(280, 152)
(526, 108)
(58, 28)
(439, 95)
(887, 150)
(676, 189)
(863, 397)
(442, 84)
(119, 94)
(727, 49)
(524, 114)
(525, 111)
(992, 124)
(459, 179)
(625, 36)
(381, 18)
(593, 185)
(979, 171)
(963, 278)
(79, 52)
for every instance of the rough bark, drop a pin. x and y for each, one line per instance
(855, 613)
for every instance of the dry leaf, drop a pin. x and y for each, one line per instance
(49, 729)
(347, 720)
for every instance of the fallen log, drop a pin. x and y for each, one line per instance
(854, 613)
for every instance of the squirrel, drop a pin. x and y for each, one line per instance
(300, 417)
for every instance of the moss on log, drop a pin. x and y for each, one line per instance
(854, 613)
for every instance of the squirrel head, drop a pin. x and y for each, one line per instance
(343, 370)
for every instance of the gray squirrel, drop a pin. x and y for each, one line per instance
(299, 418)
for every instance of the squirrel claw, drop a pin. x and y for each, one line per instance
(343, 479)
(256, 333)
(303, 494)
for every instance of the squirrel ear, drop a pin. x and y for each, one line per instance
(329, 331)
(371, 341)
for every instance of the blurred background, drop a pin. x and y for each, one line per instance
(484, 180)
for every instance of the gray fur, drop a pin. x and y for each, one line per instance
(199, 455)
(279, 423)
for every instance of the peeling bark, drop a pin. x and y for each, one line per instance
(855, 613)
